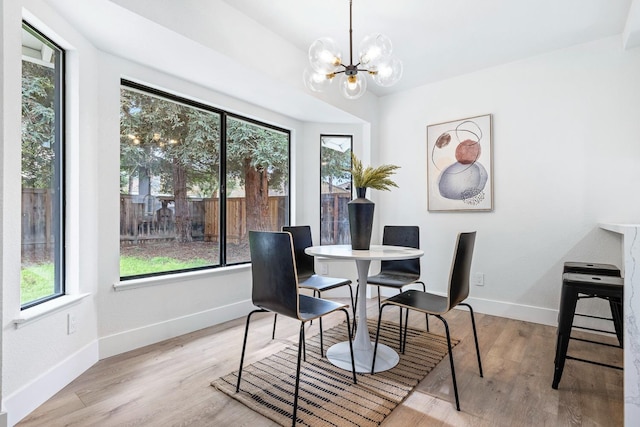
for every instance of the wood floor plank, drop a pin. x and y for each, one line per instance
(168, 383)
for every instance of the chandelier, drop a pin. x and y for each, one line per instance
(374, 58)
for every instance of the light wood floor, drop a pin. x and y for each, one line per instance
(167, 384)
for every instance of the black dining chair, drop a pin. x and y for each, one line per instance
(307, 277)
(438, 305)
(275, 289)
(400, 273)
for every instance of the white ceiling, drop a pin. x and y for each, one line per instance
(206, 42)
(437, 39)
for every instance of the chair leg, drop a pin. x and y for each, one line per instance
(426, 316)
(304, 343)
(295, 397)
(244, 346)
(400, 328)
(475, 336)
(400, 321)
(314, 295)
(353, 362)
(321, 342)
(356, 304)
(275, 318)
(404, 341)
(357, 292)
(375, 346)
(353, 306)
(453, 369)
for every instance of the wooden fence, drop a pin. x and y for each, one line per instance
(334, 218)
(37, 217)
(135, 225)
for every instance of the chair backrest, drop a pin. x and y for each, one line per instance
(461, 268)
(305, 264)
(273, 272)
(401, 235)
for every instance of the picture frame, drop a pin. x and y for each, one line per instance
(460, 165)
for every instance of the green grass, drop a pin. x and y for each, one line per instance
(36, 281)
(132, 266)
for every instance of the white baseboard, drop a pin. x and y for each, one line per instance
(21, 403)
(527, 313)
(151, 334)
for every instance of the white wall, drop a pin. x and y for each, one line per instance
(40, 358)
(565, 153)
(42, 348)
(566, 146)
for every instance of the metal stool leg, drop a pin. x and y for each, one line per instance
(568, 302)
(618, 318)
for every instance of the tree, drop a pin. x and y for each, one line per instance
(38, 125)
(336, 166)
(179, 145)
(174, 142)
(259, 158)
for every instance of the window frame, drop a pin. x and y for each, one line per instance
(222, 172)
(59, 176)
(330, 135)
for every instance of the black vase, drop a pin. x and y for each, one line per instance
(360, 220)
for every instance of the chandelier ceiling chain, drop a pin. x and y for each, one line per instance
(375, 58)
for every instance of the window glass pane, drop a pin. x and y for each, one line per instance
(169, 186)
(335, 189)
(257, 177)
(42, 229)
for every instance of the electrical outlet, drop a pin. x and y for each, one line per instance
(71, 324)
(324, 268)
(478, 279)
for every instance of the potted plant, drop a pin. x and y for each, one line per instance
(369, 177)
(361, 208)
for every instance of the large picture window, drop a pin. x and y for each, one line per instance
(257, 179)
(42, 270)
(335, 189)
(193, 181)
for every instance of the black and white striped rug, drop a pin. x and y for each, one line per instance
(327, 395)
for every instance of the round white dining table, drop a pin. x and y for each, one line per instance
(339, 354)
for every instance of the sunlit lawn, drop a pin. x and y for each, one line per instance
(36, 281)
(132, 266)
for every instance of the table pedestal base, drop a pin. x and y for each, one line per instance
(386, 357)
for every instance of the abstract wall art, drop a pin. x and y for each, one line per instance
(459, 165)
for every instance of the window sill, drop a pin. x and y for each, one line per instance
(33, 314)
(173, 278)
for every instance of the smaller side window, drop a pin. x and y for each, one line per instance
(335, 188)
(42, 269)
